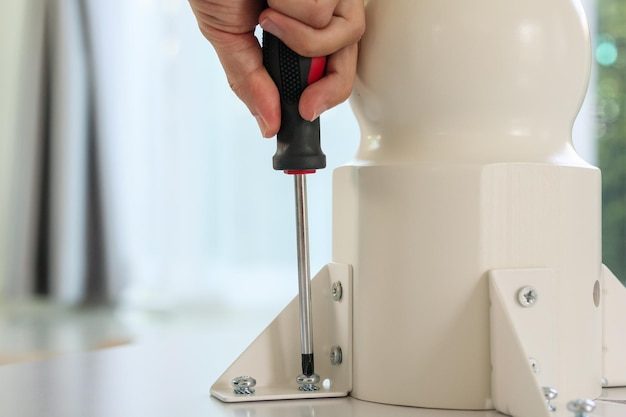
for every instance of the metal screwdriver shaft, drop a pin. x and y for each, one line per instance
(304, 272)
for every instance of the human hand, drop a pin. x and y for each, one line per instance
(311, 28)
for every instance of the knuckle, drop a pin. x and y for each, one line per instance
(321, 13)
(236, 87)
(206, 29)
(359, 30)
(320, 20)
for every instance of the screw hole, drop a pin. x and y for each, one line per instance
(534, 365)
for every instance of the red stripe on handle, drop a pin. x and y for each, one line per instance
(318, 68)
(300, 172)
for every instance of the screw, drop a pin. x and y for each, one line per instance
(243, 385)
(550, 394)
(581, 408)
(527, 296)
(604, 382)
(336, 355)
(337, 291)
(307, 383)
(534, 365)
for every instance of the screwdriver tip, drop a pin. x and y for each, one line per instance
(307, 364)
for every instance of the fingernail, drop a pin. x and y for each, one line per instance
(270, 27)
(318, 111)
(262, 126)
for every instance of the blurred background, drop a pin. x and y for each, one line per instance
(137, 196)
(137, 199)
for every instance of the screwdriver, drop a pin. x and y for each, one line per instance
(298, 153)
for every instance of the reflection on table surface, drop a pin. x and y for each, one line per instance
(167, 378)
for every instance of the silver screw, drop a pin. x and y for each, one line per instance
(527, 296)
(581, 408)
(336, 355)
(337, 291)
(307, 383)
(243, 385)
(550, 394)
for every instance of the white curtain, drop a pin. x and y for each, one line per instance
(49, 230)
(19, 83)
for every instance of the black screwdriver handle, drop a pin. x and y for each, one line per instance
(298, 141)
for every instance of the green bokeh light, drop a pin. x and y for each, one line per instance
(606, 51)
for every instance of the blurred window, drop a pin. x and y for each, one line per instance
(610, 58)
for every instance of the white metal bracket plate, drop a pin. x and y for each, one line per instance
(614, 331)
(522, 341)
(273, 359)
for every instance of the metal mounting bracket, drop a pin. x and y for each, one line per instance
(273, 359)
(614, 330)
(523, 349)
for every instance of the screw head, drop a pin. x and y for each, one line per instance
(581, 407)
(527, 296)
(311, 379)
(307, 383)
(550, 393)
(337, 291)
(336, 355)
(243, 385)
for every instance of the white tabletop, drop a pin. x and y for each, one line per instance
(172, 378)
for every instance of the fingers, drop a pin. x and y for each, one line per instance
(338, 40)
(334, 88)
(229, 27)
(232, 16)
(310, 27)
(242, 59)
(314, 13)
(255, 88)
(344, 28)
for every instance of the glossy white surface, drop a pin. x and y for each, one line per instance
(471, 81)
(172, 379)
